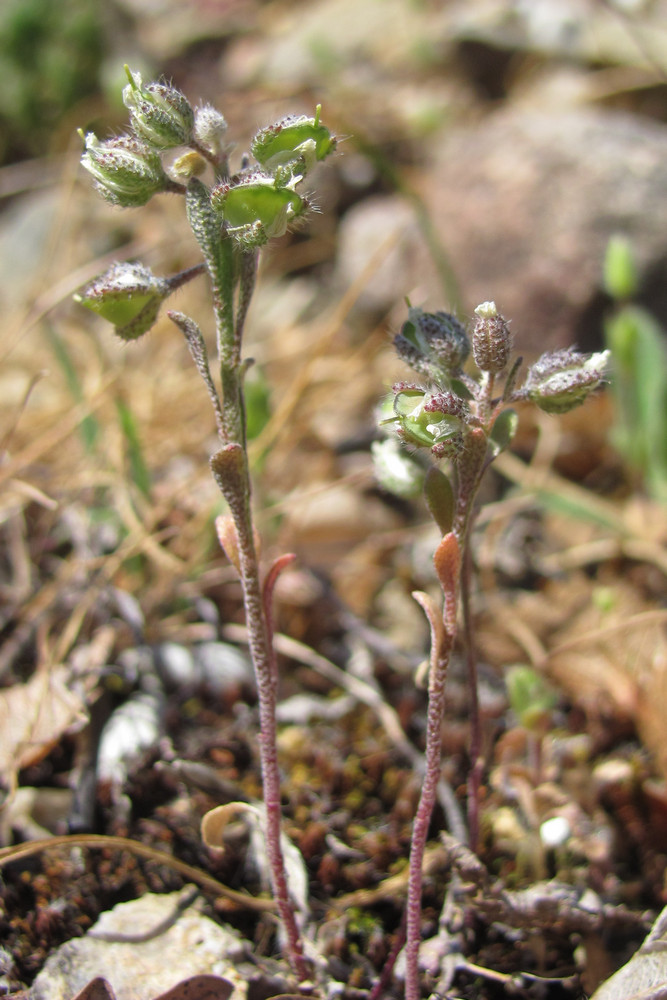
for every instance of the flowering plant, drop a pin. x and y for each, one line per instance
(231, 217)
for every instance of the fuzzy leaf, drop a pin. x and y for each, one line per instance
(504, 429)
(447, 559)
(439, 498)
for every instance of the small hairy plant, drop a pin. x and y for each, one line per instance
(232, 216)
(467, 421)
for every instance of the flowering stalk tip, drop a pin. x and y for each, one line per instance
(491, 340)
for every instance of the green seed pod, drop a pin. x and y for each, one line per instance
(255, 209)
(561, 380)
(296, 139)
(127, 295)
(429, 420)
(126, 171)
(160, 115)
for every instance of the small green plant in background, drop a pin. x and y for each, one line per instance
(531, 699)
(638, 348)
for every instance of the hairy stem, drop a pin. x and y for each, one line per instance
(442, 623)
(469, 470)
(263, 657)
(230, 468)
(475, 772)
(436, 709)
(183, 277)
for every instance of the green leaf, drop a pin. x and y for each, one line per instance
(503, 431)
(439, 498)
(639, 390)
(89, 428)
(257, 397)
(138, 469)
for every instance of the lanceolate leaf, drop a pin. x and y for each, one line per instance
(503, 431)
(439, 498)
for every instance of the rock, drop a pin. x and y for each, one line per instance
(128, 949)
(380, 232)
(524, 203)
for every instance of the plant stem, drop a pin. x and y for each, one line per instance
(178, 280)
(475, 771)
(263, 657)
(469, 470)
(436, 708)
(233, 476)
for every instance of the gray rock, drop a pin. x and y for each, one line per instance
(129, 948)
(524, 203)
(223, 666)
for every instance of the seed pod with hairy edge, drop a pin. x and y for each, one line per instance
(561, 380)
(256, 209)
(296, 139)
(127, 295)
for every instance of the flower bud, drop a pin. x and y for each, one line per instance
(440, 336)
(491, 340)
(210, 129)
(445, 402)
(160, 115)
(561, 380)
(413, 355)
(256, 209)
(296, 139)
(190, 164)
(126, 172)
(127, 295)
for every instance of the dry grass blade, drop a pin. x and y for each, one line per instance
(101, 841)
